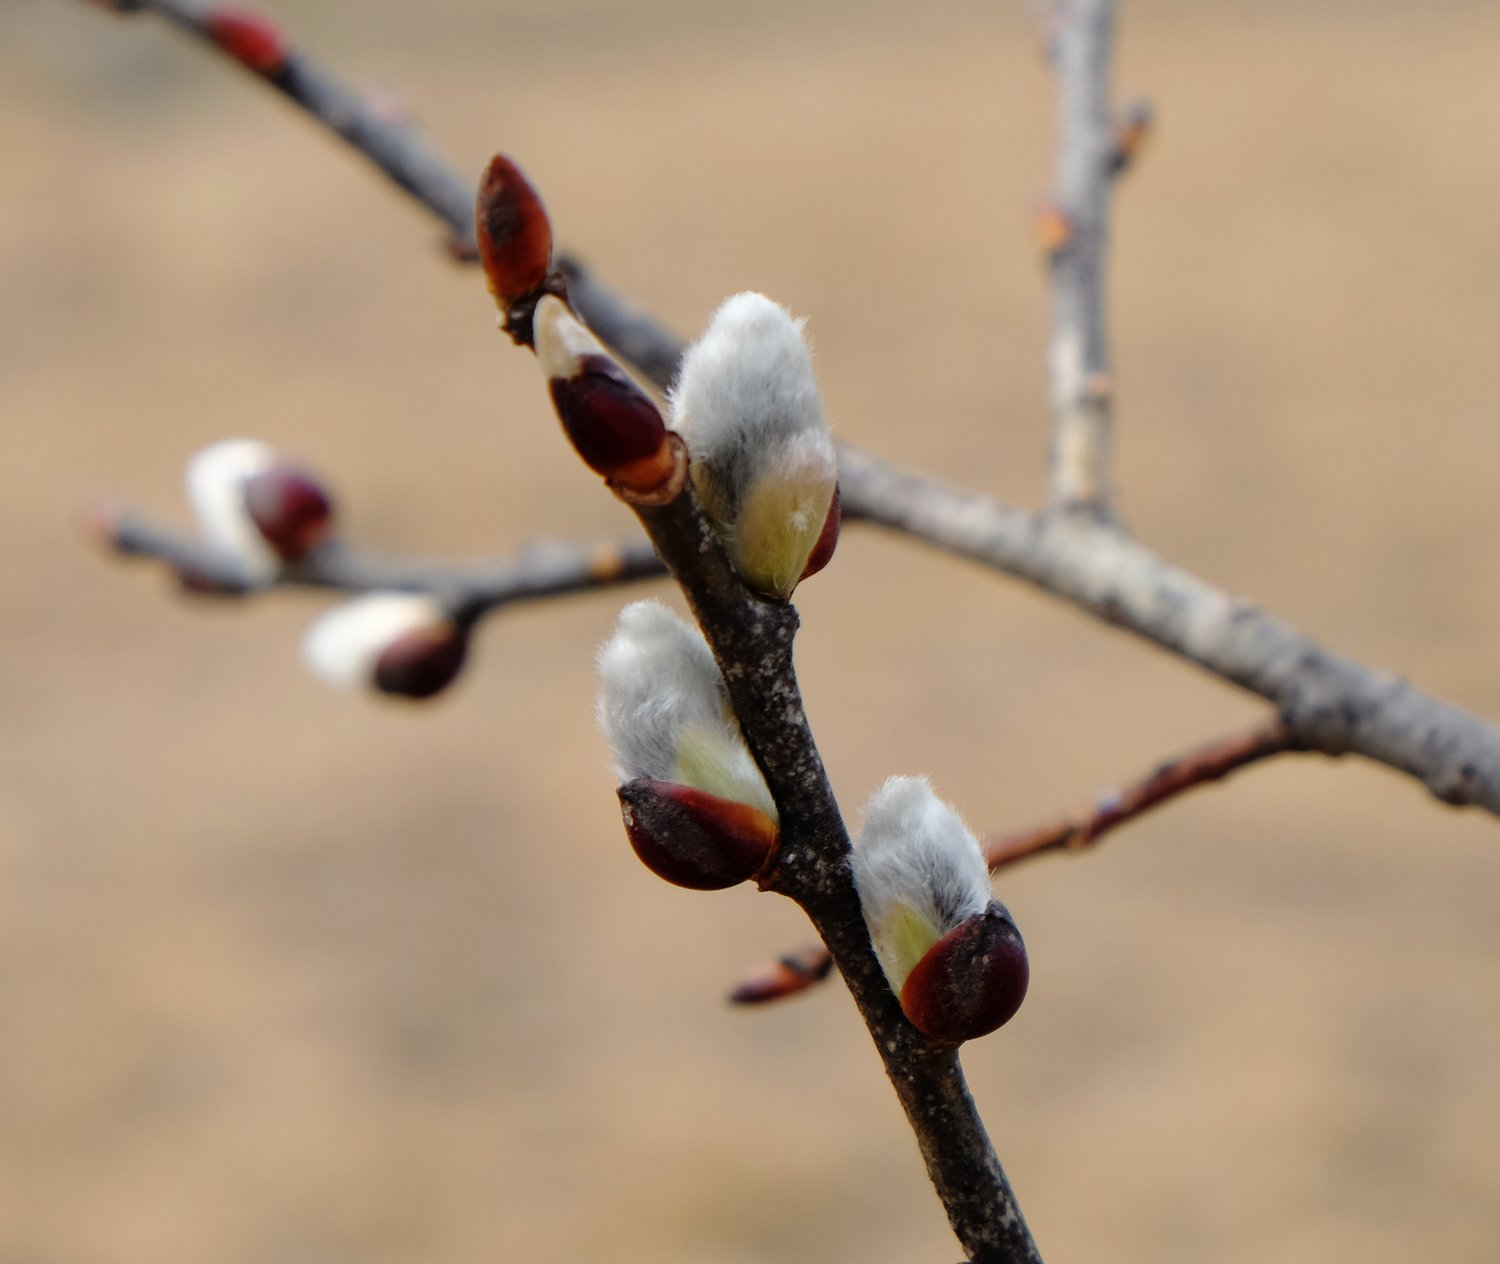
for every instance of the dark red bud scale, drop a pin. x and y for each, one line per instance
(423, 662)
(514, 234)
(971, 981)
(692, 838)
(248, 37)
(608, 418)
(828, 538)
(290, 509)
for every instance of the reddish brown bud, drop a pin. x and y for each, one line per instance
(249, 38)
(611, 422)
(609, 419)
(971, 981)
(692, 838)
(828, 539)
(1054, 230)
(1132, 128)
(422, 662)
(514, 234)
(290, 508)
(786, 976)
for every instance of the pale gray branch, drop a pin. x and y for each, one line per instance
(1331, 703)
(1078, 353)
(469, 590)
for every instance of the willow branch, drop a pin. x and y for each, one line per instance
(403, 152)
(797, 971)
(1201, 766)
(751, 637)
(1078, 354)
(469, 591)
(1333, 703)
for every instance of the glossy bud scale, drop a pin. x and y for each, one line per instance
(692, 838)
(971, 981)
(514, 235)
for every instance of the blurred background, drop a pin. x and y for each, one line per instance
(291, 976)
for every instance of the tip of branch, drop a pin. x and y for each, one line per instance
(783, 977)
(102, 522)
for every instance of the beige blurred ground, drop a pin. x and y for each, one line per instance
(287, 977)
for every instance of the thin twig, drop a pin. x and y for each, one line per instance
(546, 569)
(1198, 767)
(397, 147)
(796, 971)
(1078, 355)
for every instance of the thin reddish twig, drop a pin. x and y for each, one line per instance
(1198, 767)
(797, 971)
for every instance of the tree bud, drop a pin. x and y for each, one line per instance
(971, 981)
(291, 510)
(666, 714)
(514, 234)
(692, 838)
(255, 508)
(216, 479)
(395, 643)
(828, 539)
(250, 38)
(1129, 132)
(611, 422)
(763, 461)
(950, 952)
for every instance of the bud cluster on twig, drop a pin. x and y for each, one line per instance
(748, 433)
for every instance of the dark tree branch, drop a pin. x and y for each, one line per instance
(751, 637)
(1199, 767)
(543, 570)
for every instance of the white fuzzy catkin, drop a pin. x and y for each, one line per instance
(919, 872)
(664, 709)
(763, 460)
(216, 478)
(344, 645)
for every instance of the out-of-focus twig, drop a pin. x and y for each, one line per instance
(468, 591)
(1198, 767)
(1080, 387)
(394, 143)
(1201, 766)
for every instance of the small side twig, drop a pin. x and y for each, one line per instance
(1080, 386)
(796, 971)
(1199, 767)
(545, 569)
(402, 151)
